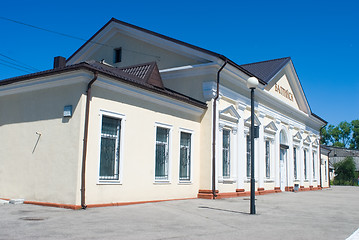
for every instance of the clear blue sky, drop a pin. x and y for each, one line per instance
(321, 37)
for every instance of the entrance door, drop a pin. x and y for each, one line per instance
(283, 169)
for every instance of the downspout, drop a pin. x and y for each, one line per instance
(214, 128)
(84, 153)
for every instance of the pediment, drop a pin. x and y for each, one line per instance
(285, 86)
(229, 114)
(271, 127)
(247, 122)
(137, 46)
(307, 140)
(297, 137)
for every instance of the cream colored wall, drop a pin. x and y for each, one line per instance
(206, 149)
(138, 161)
(41, 169)
(189, 86)
(135, 51)
(323, 169)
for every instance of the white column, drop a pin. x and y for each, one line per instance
(241, 156)
(234, 162)
(301, 161)
(290, 165)
(261, 154)
(310, 163)
(277, 154)
(319, 168)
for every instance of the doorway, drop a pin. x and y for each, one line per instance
(283, 169)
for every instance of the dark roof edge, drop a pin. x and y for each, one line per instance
(319, 118)
(146, 31)
(222, 57)
(87, 66)
(328, 147)
(274, 72)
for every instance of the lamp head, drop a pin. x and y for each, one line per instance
(252, 83)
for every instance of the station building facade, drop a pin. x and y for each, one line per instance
(136, 116)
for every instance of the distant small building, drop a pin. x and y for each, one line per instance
(338, 154)
(328, 167)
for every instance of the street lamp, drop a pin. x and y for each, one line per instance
(252, 83)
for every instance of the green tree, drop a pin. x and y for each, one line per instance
(345, 171)
(339, 136)
(354, 144)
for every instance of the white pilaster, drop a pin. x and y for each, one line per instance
(241, 156)
(277, 154)
(310, 163)
(261, 152)
(290, 170)
(301, 161)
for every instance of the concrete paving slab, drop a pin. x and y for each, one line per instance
(325, 214)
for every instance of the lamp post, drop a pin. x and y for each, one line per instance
(252, 83)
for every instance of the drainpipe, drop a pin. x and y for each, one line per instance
(214, 128)
(84, 153)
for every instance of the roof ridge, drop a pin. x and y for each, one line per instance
(270, 60)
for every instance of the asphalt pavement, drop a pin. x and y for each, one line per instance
(326, 214)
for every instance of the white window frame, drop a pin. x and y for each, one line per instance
(229, 153)
(170, 128)
(122, 118)
(270, 141)
(295, 146)
(314, 166)
(305, 163)
(232, 128)
(183, 130)
(248, 170)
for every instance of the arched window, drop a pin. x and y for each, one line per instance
(283, 138)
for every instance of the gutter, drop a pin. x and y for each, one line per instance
(214, 128)
(84, 153)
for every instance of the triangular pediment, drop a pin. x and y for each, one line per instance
(285, 86)
(297, 137)
(229, 114)
(271, 127)
(138, 45)
(247, 122)
(307, 140)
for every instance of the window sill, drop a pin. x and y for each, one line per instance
(268, 180)
(227, 180)
(103, 182)
(160, 182)
(183, 182)
(249, 180)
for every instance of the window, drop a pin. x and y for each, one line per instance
(267, 159)
(248, 156)
(326, 171)
(162, 153)
(226, 153)
(295, 163)
(185, 157)
(117, 55)
(110, 148)
(305, 164)
(314, 156)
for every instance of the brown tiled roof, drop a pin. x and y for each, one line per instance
(115, 73)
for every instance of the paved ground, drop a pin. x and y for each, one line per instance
(327, 214)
